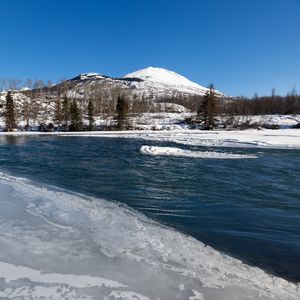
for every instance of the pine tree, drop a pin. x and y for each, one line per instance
(66, 112)
(208, 108)
(10, 118)
(75, 117)
(91, 119)
(121, 110)
(58, 115)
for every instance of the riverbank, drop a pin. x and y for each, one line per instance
(265, 138)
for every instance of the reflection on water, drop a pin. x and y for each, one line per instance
(249, 208)
(14, 139)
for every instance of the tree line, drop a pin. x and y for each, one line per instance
(68, 115)
(77, 112)
(258, 105)
(289, 104)
(213, 107)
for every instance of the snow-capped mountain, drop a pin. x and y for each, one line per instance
(149, 83)
(147, 90)
(160, 79)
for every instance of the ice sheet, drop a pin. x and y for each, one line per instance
(58, 244)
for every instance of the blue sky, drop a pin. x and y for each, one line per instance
(242, 46)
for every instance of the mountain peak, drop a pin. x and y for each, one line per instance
(164, 76)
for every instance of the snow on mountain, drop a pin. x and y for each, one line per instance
(154, 84)
(164, 76)
(25, 88)
(85, 76)
(165, 80)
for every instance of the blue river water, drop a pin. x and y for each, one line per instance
(248, 208)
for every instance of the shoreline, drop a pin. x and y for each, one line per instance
(264, 138)
(209, 269)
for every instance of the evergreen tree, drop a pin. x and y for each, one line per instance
(10, 118)
(66, 112)
(91, 119)
(208, 108)
(121, 110)
(75, 117)
(58, 114)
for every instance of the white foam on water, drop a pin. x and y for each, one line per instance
(172, 151)
(125, 254)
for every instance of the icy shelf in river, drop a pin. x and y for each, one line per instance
(57, 244)
(177, 152)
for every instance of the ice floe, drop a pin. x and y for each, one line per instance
(171, 151)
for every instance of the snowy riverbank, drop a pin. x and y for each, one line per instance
(281, 138)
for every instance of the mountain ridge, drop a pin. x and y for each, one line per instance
(151, 80)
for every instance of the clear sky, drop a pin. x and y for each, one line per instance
(242, 46)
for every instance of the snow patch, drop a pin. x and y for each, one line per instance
(37, 292)
(84, 76)
(196, 296)
(11, 272)
(127, 295)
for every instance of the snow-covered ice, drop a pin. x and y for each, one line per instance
(284, 138)
(57, 244)
(267, 138)
(288, 138)
(172, 151)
